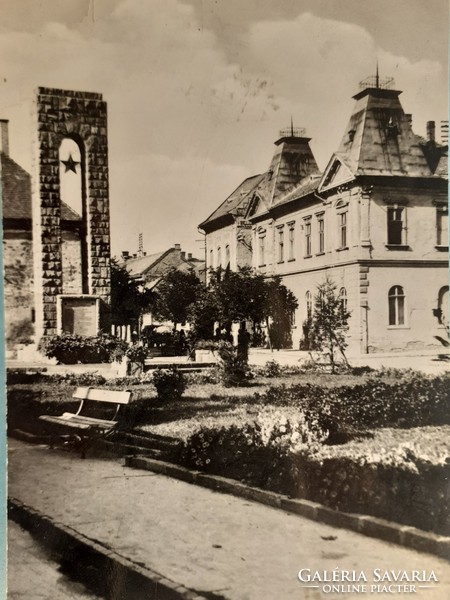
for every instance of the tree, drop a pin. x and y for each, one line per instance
(280, 307)
(329, 323)
(202, 315)
(243, 295)
(176, 292)
(128, 299)
(238, 295)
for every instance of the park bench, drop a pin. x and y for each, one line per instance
(97, 416)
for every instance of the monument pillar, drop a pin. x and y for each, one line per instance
(81, 117)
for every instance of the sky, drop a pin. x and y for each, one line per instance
(197, 90)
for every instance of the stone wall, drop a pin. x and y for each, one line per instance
(80, 116)
(18, 286)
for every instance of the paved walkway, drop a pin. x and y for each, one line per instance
(206, 541)
(431, 361)
(34, 576)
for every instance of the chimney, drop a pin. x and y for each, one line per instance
(183, 255)
(189, 256)
(177, 246)
(125, 254)
(431, 131)
(4, 136)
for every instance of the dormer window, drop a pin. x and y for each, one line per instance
(391, 129)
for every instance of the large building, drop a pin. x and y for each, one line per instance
(375, 221)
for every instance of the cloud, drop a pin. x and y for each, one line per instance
(185, 123)
(315, 65)
(170, 198)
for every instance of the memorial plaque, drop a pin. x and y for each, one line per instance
(79, 316)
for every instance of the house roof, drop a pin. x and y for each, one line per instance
(304, 188)
(138, 266)
(152, 267)
(16, 193)
(16, 189)
(292, 162)
(236, 201)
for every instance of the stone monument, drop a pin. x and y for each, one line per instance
(70, 210)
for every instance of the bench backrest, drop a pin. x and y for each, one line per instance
(96, 395)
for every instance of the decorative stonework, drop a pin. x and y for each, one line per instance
(81, 116)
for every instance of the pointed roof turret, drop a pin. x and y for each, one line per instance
(379, 139)
(292, 162)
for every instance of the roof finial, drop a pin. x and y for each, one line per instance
(377, 78)
(292, 127)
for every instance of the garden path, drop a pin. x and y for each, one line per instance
(204, 540)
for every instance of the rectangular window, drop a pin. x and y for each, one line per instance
(442, 226)
(308, 238)
(321, 233)
(396, 227)
(342, 220)
(291, 241)
(262, 249)
(280, 245)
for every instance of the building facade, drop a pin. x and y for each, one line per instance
(375, 222)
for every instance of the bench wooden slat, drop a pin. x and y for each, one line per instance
(112, 396)
(65, 422)
(89, 420)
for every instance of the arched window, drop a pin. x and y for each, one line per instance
(211, 259)
(343, 299)
(227, 255)
(309, 304)
(396, 305)
(70, 175)
(219, 256)
(443, 305)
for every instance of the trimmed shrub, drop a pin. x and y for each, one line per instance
(70, 349)
(169, 383)
(257, 451)
(410, 400)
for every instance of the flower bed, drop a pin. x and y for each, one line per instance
(399, 475)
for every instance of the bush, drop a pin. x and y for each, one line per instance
(204, 377)
(70, 349)
(272, 369)
(410, 400)
(169, 383)
(78, 379)
(257, 452)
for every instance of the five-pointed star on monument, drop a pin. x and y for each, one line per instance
(70, 164)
